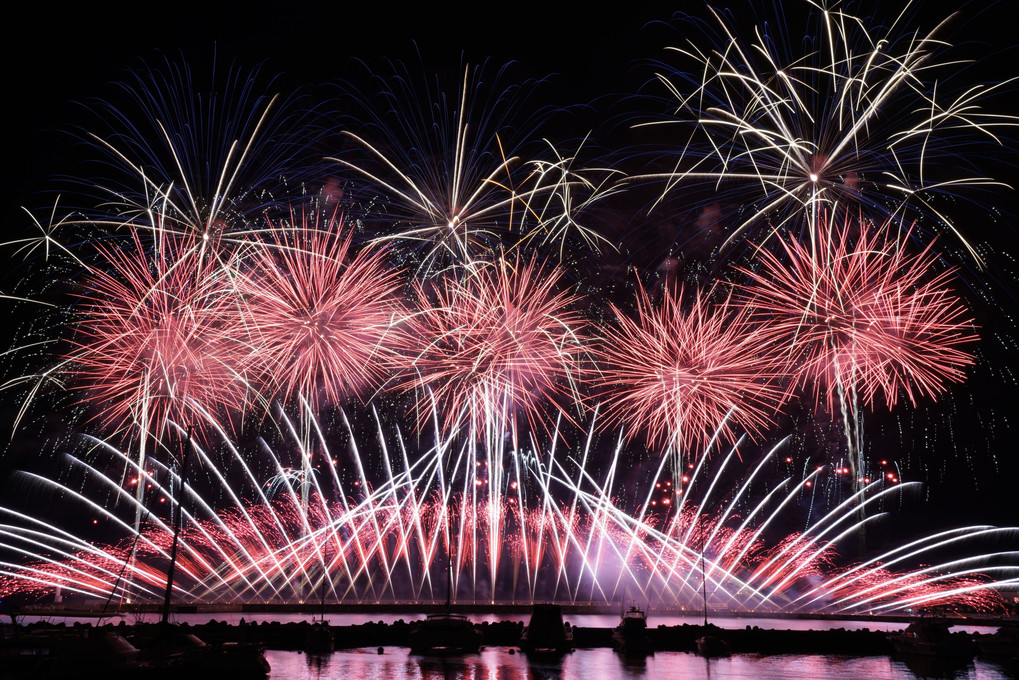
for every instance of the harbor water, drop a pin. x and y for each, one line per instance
(498, 663)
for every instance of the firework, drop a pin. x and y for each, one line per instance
(449, 177)
(500, 342)
(388, 541)
(155, 338)
(675, 373)
(196, 308)
(320, 317)
(866, 120)
(202, 157)
(862, 316)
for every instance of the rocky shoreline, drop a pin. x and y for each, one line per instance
(751, 639)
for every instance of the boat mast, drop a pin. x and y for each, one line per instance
(449, 583)
(176, 522)
(704, 582)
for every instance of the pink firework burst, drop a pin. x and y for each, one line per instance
(675, 374)
(321, 319)
(496, 340)
(863, 316)
(154, 337)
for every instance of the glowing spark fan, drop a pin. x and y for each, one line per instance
(391, 540)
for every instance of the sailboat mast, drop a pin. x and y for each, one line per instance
(449, 583)
(704, 583)
(176, 522)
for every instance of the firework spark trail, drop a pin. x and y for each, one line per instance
(863, 122)
(84, 559)
(501, 347)
(862, 320)
(155, 340)
(767, 576)
(160, 531)
(321, 319)
(674, 374)
(260, 550)
(48, 545)
(556, 193)
(207, 157)
(873, 574)
(451, 174)
(206, 293)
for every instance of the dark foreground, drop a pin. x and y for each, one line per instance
(293, 636)
(227, 645)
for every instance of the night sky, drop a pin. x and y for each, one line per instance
(55, 56)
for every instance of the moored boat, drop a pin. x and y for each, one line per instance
(710, 646)
(445, 633)
(64, 652)
(1002, 644)
(546, 631)
(931, 638)
(631, 636)
(319, 639)
(172, 651)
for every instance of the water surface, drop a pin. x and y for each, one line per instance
(496, 663)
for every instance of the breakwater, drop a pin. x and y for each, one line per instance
(751, 639)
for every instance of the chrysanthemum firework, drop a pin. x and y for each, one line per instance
(497, 341)
(860, 316)
(321, 318)
(155, 337)
(674, 373)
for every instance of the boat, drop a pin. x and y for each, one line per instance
(168, 650)
(1002, 644)
(931, 639)
(172, 651)
(631, 636)
(446, 632)
(319, 639)
(712, 646)
(546, 632)
(65, 652)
